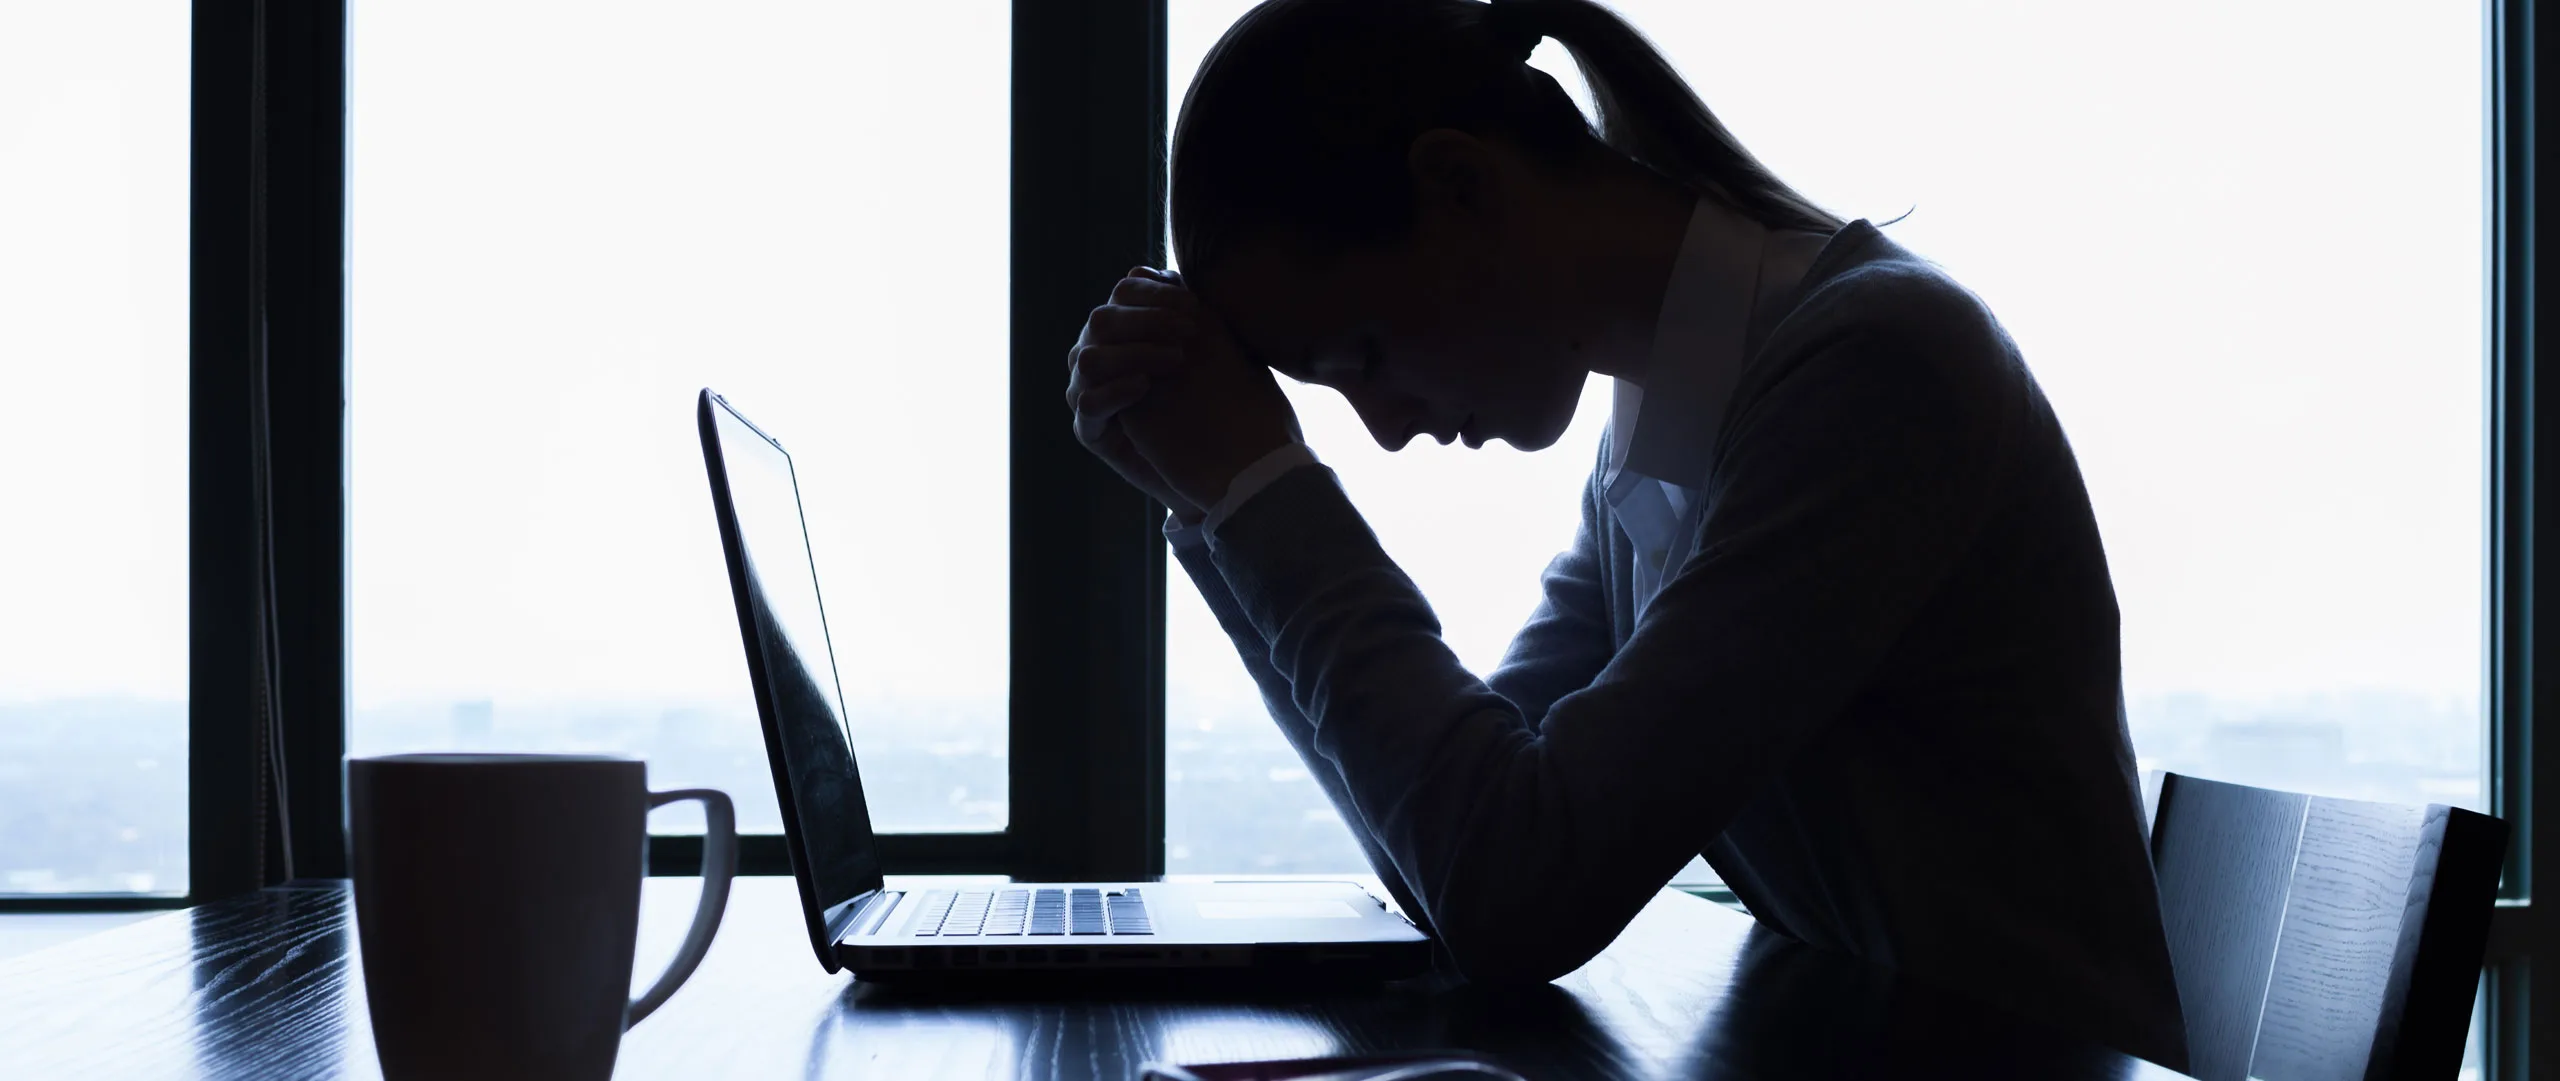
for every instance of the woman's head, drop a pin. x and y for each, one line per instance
(1380, 196)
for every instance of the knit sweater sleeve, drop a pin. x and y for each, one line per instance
(1192, 552)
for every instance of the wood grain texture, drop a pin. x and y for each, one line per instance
(2341, 934)
(2224, 856)
(270, 986)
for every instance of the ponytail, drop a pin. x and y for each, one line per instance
(1302, 115)
(1650, 114)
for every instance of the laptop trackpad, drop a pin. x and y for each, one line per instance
(1264, 909)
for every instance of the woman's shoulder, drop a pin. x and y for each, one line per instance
(1874, 324)
(1870, 305)
(1866, 286)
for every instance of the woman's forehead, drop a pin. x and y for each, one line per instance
(1281, 319)
(1289, 305)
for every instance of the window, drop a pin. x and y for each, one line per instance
(2246, 266)
(93, 339)
(557, 235)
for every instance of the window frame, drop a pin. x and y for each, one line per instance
(267, 441)
(268, 313)
(2521, 470)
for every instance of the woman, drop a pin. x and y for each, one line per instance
(1836, 616)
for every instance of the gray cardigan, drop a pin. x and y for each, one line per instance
(1883, 696)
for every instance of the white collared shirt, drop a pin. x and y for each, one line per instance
(1659, 458)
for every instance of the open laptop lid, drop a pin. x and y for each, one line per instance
(825, 822)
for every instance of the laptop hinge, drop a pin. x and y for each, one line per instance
(842, 918)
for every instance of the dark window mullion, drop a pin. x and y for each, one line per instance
(1087, 728)
(266, 289)
(306, 176)
(2516, 400)
(224, 822)
(2520, 472)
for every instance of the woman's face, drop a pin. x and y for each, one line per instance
(1436, 336)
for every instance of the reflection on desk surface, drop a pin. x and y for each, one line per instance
(269, 987)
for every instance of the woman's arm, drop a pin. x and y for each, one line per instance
(1845, 495)
(1567, 640)
(1564, 644)
(1192, 551)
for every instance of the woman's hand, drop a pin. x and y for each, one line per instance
(1158, 374)
(1217, 413)
(1127, 343)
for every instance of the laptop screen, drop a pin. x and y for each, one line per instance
(802, 702)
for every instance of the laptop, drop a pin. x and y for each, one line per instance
(1323, 930)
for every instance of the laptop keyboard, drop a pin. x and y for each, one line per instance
(1064, 911)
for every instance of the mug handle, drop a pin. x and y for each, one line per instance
(719, 862)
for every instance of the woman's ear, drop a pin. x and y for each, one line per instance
(1456, 174)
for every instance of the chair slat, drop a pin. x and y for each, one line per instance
(2223, 854)
(2341, 934)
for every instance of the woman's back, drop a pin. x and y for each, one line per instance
(1973, 813)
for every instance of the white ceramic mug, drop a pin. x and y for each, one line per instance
(498, 902)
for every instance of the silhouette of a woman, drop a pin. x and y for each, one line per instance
(1836, 617)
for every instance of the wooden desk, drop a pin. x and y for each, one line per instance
(268, 986)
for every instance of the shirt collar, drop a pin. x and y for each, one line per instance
(1696, 359)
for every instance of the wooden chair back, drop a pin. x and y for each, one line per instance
(2321, 939)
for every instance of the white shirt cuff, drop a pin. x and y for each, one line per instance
(1182, 536)
(1256, 477)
